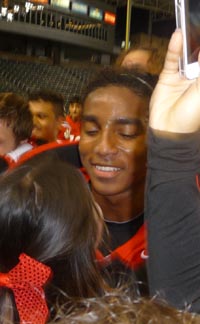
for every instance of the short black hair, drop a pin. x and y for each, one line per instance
(55, 98)
(75, 99)
(137, 80)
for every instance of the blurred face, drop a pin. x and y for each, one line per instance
(75, 110)
(137, 57)
(113, 140)
(45, 123)
(7, 138)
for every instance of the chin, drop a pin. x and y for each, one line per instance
(106, 191)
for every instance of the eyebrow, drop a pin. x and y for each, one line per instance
(117, 121)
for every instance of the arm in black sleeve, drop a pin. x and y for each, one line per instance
(173, 218)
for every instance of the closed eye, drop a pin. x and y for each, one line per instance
(42, 116)
(129, 136)
(91, 132)
(90, 128)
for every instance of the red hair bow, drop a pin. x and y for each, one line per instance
(26, 280)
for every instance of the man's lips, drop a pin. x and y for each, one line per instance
(35, 128)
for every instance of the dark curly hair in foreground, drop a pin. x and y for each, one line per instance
(118, 307)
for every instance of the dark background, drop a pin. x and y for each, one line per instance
(140, 22)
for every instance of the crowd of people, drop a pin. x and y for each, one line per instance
(121, 243)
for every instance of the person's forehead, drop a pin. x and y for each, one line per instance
(116, 96)
(112, 90)
(75, 104)
(41, 106)
(118, 104)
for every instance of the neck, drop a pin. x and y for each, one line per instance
(122, 207)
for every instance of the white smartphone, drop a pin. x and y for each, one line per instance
(188, 20)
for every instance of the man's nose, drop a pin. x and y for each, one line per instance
(106, 144)
(35, 120)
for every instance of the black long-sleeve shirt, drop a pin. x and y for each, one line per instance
(172, 212)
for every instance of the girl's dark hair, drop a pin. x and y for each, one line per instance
(47, 212)
(138, 81)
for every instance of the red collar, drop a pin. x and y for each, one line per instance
(132, 253)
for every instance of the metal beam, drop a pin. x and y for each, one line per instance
(128, 23)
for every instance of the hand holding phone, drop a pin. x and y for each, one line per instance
(188, 20)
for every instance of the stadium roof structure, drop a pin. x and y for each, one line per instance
(165, 7)
(159, 10)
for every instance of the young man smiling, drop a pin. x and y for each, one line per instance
(113, 152)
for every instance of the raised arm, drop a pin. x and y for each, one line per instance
(173, 198)
(175, 104)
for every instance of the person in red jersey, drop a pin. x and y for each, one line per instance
(73, 119)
